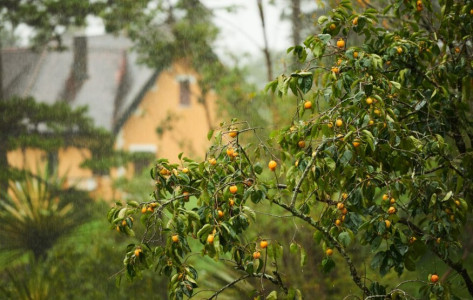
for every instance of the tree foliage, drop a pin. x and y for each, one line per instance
(378, 154)
(29, 124)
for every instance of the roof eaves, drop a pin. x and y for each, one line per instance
(136, 101)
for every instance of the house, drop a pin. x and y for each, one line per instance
(149, 111)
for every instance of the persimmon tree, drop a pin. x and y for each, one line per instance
(378, 154)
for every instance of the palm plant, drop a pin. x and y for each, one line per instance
(35, 213)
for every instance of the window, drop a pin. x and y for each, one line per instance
(184, 92)
(142, 156)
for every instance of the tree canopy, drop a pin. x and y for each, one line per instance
(378, 155)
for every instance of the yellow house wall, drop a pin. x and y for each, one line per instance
(189, 123)
(30, 159)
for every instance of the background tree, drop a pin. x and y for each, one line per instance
(377, 161)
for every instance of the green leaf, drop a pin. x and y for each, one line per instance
(327, 265)
(210, 134)
(369, 139)
(397, 85)
(377, 259)
(346, 157)
(325, 38)
(330, 163)
(447, 196)
(303, 257)
(229, 229)
(272, 296)
(305, 83)
(133, 203)
(344, 239)
(322, 19)
(318, 237)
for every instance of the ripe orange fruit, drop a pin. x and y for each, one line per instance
(335, 70)
(210, 238)
(419, 6)
(355, 54)
(329, 252)
(213, 161)
(388, 223)
(154, 204)
(385, 197)
(150, 209)
(457, 203)
(340, 137)
(186, 195)
(399, 50)
(339, 122)
(377, 112)
(124, 223)
(369, 100)
(143, 209)
(438, 240)
(233, 189)
(391, 210)
(333, 26)
(256, 255)
(344, 211)
(220, 214)
(356, 143)
(301, 144)
(452, 217)
(263, 244)
(330, 124)
(370, 122)
(412, 240)
(457, 50)
(392, 201)
(339, 61)
(185, 170)
(233, 133)
(344, 196)
(137, 252)
(230, 152)
(118, 228)
(175, 238)
(231, 202)
(340, 43)
(307, 105)
(338, 222)
(340, 206)
(471, 11)
(434, 278)
(355, 21)
(272, 165)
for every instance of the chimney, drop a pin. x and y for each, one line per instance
(78, 74)
(79, 66)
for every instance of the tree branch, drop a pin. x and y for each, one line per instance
(458, 267)
(354, 273)
(306, 171)
(270, 278)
